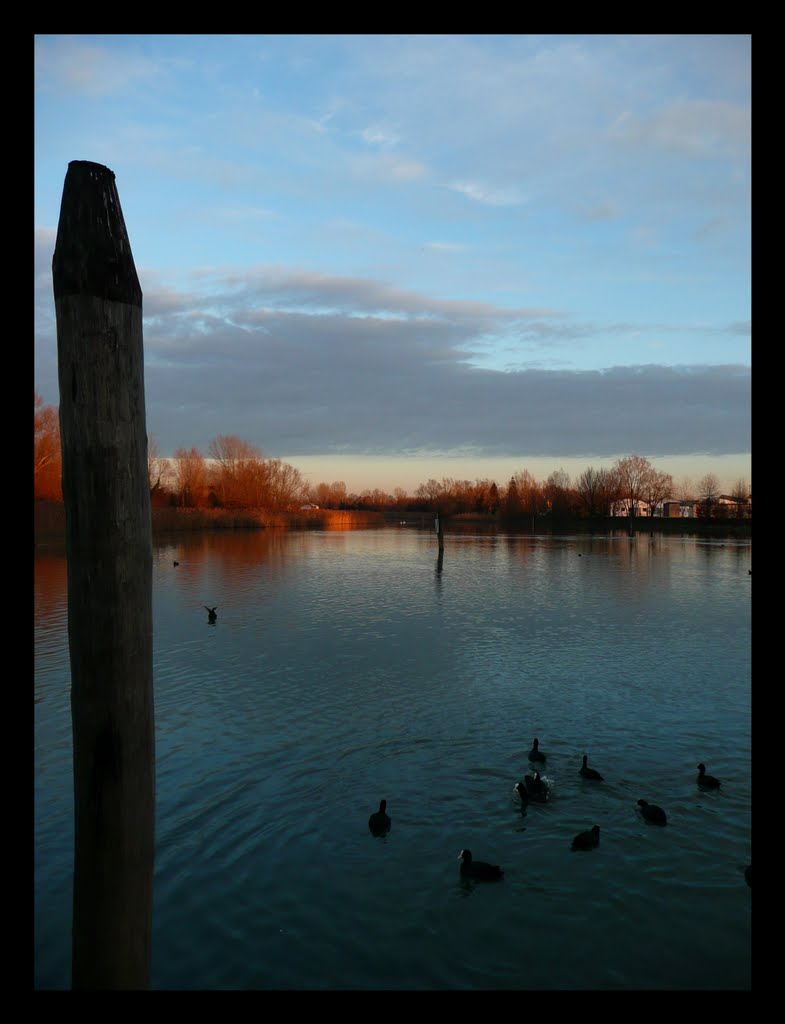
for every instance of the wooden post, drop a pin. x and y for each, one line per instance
(439, 527)
(98, 305)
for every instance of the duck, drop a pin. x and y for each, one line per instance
(748, 875)
(652, 813)
(535, 754)
(471, 868)
(587, 840)
(706, 781)
(590, 773)
(211, 615)
(379, 822)
(536, 788)
(521, 791)
(175, 564)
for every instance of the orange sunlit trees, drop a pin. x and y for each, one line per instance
(329, 495)
(190, 477)
(239, 473)
(285, 484)
(157, 467)
(47, 466)
(559, 496)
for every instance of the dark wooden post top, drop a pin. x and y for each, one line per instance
(92, 253)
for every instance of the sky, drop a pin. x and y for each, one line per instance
(390, 258)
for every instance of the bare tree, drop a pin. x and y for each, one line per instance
(557, 492)
(740, 492)
(285, 484)
(685, 488)
(708, 492)
(431, 491)
(596, 489)
(190, 475)
(239, 471)
(656, 488)
(157, 467)
(47, 465)
(329, 495)
(633, 474)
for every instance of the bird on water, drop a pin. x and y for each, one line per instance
(535, 754)
(587, 840)
(589, 773)
(379, 822)
(652, 813)
(211, 615)
(471, 868)
(536, 788)
(175, 564)
(706, 781)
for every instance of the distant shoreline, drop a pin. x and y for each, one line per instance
(49, 522)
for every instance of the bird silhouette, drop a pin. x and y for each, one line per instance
(587, 840)
(652, 813)
(706, 781)
(471, 868)
(589, 773)
(379, 822)
(211, 615)
(536, 788)
(535, 754)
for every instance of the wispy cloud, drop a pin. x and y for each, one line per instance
(65, 62)
(487, 194)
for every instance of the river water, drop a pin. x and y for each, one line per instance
(348, 667)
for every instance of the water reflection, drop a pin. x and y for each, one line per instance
(347, 666)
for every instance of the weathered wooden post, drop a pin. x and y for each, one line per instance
(98, 305)
(439, 527)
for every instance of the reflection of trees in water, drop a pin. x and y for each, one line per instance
(51, 584)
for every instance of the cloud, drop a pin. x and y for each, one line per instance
(298, 362)
(488, 195)
(66, 62)
(696, 128)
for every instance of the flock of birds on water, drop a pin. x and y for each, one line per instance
(534, 789)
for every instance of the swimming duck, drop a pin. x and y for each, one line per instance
(175, 564)
(587, 840)
(535, 754)
(379, 822)
(211, 616)
(590, 773)
(652, 813)
(706, 781)
(522, 792)
(536, 788)
(471, 868)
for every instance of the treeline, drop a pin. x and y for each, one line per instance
(235, 474)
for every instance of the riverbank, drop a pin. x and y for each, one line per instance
(49, 519)
(49, 522)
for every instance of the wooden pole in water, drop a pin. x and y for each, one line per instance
(98, 305)
(439, 527)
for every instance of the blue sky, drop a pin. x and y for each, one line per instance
(389, 258)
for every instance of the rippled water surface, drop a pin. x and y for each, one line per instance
(348, 667)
